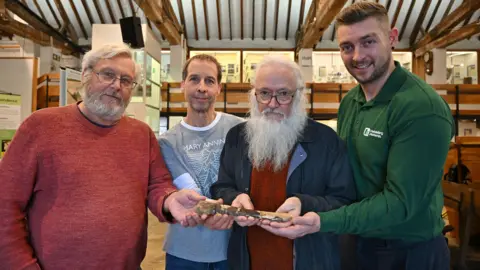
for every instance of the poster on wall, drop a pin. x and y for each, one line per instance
(10, 111)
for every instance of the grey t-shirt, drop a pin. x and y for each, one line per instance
(192, 155)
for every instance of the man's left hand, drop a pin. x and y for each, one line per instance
(181, 205)
(299, 227)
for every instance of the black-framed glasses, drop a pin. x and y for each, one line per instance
(109, 77)
(283, 97)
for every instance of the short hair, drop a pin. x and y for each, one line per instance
(203, 57)
(108, 51)
(277, 60)
(361, 11)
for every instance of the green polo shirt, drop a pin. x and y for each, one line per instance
(397, 144)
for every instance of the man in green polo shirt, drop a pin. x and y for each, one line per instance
(397, 130)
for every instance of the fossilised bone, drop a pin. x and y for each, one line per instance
(212, 208)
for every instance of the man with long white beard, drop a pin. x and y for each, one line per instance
(279, 160)
(75, 181)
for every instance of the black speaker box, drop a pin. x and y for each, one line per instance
(132, 32)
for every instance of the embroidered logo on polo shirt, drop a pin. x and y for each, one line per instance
(368, 132)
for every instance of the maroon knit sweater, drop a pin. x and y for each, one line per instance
(73, 195)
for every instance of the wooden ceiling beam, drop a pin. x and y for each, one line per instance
(194, 14)
(219, 21)
(449, 22)
(26, 31)
(230, 18)
(87, 10)
(50, 7)
(3, 11)
(407, 19)
(39, 25)
(110, 11)
(418, 24)
(119, 3)
(205, 16)
(253, 19)
(397, 12)
(264, 19)
(241, 19)
(319, 17)
(451, 38)
(66, 21)
(289, 11)
(300, 15)
(437, 6)
(39, 10)
(160, 13)
(99, 11)
(77, 16)
(277, 4)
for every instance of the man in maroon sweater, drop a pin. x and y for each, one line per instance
(75, 181)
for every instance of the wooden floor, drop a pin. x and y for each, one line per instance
(155, 257)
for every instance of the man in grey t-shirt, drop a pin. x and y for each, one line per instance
(191, 150)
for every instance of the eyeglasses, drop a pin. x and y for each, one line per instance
(108, 77)
(282, 97)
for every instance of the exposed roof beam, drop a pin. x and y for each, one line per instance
(38, 24)
(451, 38)
(450, 21)
(121, 8)
(433, 16)
(39, 10)
(407, 19)
(230, 18)
(300, 15)
(26, 31)
(397, 12)
(87, 10)
(110, 11)
(219, 16)
(77, 16)
(99, 11)
(277, 4)
(264, 19)
(253, 19)
(319, 17)
(418, 24)
(50, 7)
(161, 14)
(241, 19)
(205, 16)
(3, 11)
(289, 11)
(66, 22)
(194, 14)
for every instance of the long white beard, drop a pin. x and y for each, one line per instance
(273, 141)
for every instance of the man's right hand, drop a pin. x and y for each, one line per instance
(243, 201)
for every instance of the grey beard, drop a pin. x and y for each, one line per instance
(272, 141)
(108, 111)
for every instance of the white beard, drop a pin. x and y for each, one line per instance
(108, 111)
(273, 141)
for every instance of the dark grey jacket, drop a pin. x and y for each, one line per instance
(319, 175)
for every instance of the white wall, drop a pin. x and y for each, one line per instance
(27, 48)
(16, 78)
